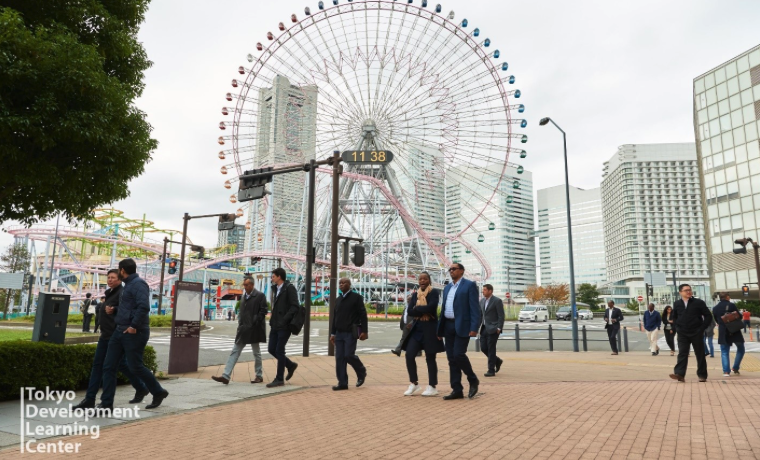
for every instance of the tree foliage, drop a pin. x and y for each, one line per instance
(70, 137)
(534, 294)
(556, 294)
(589, 294)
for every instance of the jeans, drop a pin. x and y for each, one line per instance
(235, 354)
(345, 353)
(488, 347)
(725, 359)
(709, 346)
(277, 342)
(456, 352)
(652, 336)
(413, 347)
(685, 342)
(96, 375)
(746, 325)
(130, 346)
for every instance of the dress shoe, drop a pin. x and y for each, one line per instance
(657, 352)
(340, 387)
(103, 410)
(498, 364)
(654, 354)
(396, 352)
(360, 380)
(157, 400)
(291, 370)
(139, 396)
(736, 371)
(703, 379)
(221, 379)
(275, 383)
(85, 404)
(676, 377)
(257, 380)
(473, 390)
(454, 395)
(490, 374)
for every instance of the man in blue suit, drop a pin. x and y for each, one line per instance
(459, 320)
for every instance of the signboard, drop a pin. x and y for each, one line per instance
(186, 328)
(655, 279)
(640, 298)
(11, 280)
(378, 157)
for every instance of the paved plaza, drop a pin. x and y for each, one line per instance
(541, 405)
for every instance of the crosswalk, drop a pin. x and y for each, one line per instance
(294, 346)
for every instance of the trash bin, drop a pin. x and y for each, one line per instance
(380, 307)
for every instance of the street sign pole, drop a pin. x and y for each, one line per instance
(334, 246)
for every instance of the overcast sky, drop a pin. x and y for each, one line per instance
(610, 73)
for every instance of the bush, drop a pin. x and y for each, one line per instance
(59, 367)
(751, 306)
(77, 319)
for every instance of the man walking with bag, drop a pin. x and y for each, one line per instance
(252, 329)
(691, 317)
(350, 324)
(726, 337)
(652, 322)
(284, 308)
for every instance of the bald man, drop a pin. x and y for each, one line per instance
(350, 324)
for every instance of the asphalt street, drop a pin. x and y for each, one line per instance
(217, 341)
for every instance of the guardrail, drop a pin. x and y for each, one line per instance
(622, 338)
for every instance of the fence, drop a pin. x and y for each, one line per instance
(622, 338)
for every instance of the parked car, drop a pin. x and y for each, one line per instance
(564, 314)
(585, 314)
(534, 313)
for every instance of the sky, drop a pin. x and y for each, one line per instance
(609, 73)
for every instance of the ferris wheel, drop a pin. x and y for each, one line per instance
(373, 77)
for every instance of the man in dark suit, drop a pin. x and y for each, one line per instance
(460, 320)
(492, 311)
(612, 318)
(252, 329)
(284, 308)
(691, 317)
(349, 324)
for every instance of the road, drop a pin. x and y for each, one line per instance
(216, 342)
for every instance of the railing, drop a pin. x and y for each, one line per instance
(622, 338)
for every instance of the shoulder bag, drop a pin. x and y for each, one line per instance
(733, 321)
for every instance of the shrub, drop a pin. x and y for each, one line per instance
(59, 367)
(77, 319)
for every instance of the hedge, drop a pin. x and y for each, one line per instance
(59, 367)
(76, 318)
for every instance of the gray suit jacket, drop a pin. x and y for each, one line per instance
(493, 318)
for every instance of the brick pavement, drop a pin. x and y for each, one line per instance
(541, 405)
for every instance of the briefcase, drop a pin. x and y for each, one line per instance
(733, 322)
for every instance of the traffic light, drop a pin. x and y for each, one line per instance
(358, 257)
(199, 249)
(745, 291)
(743, 242)
(253, 189)
(173, 266)
(227, 222)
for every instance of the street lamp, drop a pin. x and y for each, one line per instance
(543, 122)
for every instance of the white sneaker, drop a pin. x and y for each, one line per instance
(726, 375)
(412, 388)
(430, 391)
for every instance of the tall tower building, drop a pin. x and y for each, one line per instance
(588, 236)
(503, 234)
(726, 127)
(653, 220)
(422, 184)
(286, 133)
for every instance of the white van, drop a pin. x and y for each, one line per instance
(534, 313)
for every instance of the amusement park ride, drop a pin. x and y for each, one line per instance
(367, 77)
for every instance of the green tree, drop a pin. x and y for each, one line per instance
(589, 294)
(15, 259)
(70, 137)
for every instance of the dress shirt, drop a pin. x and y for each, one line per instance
(449, 307)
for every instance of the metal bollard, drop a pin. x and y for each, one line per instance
(619, 342)
(757, 333)
(517, 337)
(585, 343)
(551, 339)
(625, 338)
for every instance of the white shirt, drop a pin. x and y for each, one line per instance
(91, 308)
(485, 306)
(279, 288)
(685, 303)
(448, 309)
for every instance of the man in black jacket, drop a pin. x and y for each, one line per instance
(612, 318)
(108, 309)
(284, 308)
(252, 329)
(349, 324)
(691, 317)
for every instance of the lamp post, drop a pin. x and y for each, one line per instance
(543, 122)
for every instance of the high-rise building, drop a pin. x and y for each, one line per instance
(421, 183)
(726, 126)
(503, 234)
(653, 220)
(285, 134)
(588, 236)
(235, 237)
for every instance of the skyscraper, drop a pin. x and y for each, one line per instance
(422, 183)
(235, 237)
(285, 134)
(588, 236)
(503, 234)
(726, 127)
(653, 219)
